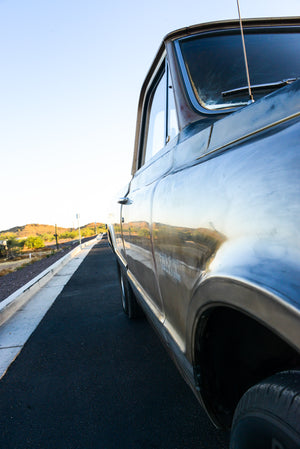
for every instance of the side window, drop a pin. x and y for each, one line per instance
(160, 116)
(156, 119)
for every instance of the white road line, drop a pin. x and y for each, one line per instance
(15, 332)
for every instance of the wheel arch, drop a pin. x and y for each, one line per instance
(240, 335)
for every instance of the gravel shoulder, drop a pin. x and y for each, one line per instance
(13, 281)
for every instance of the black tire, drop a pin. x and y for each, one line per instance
(129, 303)
(268, 415)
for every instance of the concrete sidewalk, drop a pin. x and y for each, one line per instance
(23, 310)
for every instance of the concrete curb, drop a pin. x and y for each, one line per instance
(16, 300)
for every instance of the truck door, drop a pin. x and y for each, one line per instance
(154, 161)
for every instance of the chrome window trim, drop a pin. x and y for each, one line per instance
(151, 87)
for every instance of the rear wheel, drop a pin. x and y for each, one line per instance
(268, 415)
(129, 303)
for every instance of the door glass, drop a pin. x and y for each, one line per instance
(156, 122)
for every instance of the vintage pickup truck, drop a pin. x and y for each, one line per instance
(207, 232)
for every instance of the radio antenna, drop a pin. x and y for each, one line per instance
(245, 54)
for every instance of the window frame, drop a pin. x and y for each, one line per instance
(162, 69)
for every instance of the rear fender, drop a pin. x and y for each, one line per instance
(262, 283)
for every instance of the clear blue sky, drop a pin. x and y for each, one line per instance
(71, 72)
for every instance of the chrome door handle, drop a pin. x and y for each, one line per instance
(123, 200)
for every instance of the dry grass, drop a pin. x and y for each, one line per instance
(7, 267)
(10, 266)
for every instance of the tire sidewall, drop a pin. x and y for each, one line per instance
(262, 430)
(268, 414)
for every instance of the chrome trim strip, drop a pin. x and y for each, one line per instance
(253, 133)
(156, 312)
(175, 336)
(121, 258)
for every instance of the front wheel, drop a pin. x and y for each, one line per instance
(268, 415)
(129, 303)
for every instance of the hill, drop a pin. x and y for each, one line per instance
(34, 230)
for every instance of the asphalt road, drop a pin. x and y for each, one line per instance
(90, 378)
